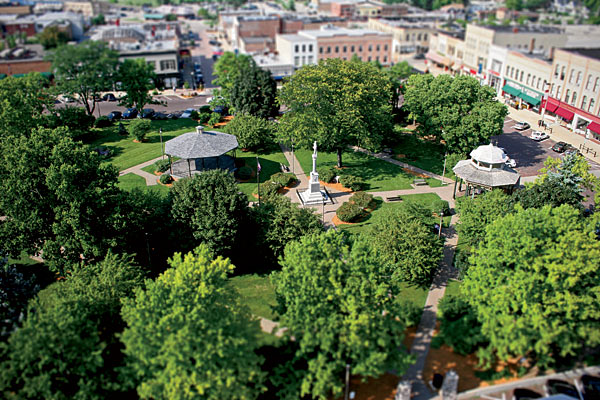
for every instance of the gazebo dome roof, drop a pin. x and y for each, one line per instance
(489, 154)
(200, 144)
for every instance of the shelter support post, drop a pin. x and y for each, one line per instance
(189, 168)
(170, 164)
(454, 192)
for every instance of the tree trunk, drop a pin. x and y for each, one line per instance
(339, 157)
(84, 99)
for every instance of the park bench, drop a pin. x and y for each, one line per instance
(394, 198)
(419, 182)
(284, 168)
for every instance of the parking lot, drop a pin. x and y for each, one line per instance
(529, 154)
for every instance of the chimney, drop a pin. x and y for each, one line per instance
(199, 130)
(532, 45)
(551, 53)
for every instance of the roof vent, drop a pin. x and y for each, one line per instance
(199, 130)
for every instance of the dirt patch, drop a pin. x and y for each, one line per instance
(417, 174)
(167, 184)
(337, 186)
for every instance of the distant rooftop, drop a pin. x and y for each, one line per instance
(335, 31)
(454, 34)
(407, 24)
(525, 29)
(257, 17)
(590, 53)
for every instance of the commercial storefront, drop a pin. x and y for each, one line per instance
(520, 96)
(575, 119)
(440, 61)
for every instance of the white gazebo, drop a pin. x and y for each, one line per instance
(487, 170)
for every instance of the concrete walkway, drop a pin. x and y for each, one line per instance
(151, 179)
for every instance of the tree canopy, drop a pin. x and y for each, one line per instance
(254, 92)
(85, 70)
(336, 103)
(137, 79)
(340, 307)
(457, 110)
(227, 68)
(189, 336)
(251, 132)
(534, 283)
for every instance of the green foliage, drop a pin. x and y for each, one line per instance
(76, 119)
(165, 179)
(410, 313)
(68, 346)
(171, 17)
(405, 244)
(533, 281)
(353, 320)
(336, 103)
(214, 119)
(353, 182)
(440, 206)
(15, 292)
(459, 327)
(244, 173)
(254, 92)
(251, 132)
(98, 20)
(139, 128)
(162, 165)
(327, 174)
(204, 118)
(572, 171)
(361, 199)
(267, 189)
(137, 78)
(58, 199)
(102, 122)
(52, 37)
(349, 212)
(477, 213)
(458, 110)
(211, 208)
(516, 5)
(284, 179)
(189, 336)
(227, 68)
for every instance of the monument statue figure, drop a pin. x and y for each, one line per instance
(314, 194)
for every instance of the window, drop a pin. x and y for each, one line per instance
(360, 50)
(370, 47)
(507, 70)
(328, 49)
(304, 48)
(310, 48)
(419, 37)
(528, 78)
(369, 58)
(562, 73)
(558, 91)
(378, 48)
(385, 47)
(539, 81)
(578, 78)
(424, 36)
(517, 74)
(512, 72)
(310, 59)
(377, 58)
(352, 49)
(337, 49)
(596, 85)
(574, 99)
(321, 50)
(297, 61)
(556, 71)
(384, 59)
(589, 81)
(567, 95)
(407, 37)
(571, 76)
(522, 73)
(583, 102)
(296, 48)
(167, 64)
(345, 49)
(591, 107)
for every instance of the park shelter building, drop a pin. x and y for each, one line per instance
(486, 170)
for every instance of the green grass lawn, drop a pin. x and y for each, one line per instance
(269, 163)
(126, 153)
(375, 216)
(453, 287)
(414, 294)
(131, 181)
(257, 292)
(378, 174)
(423, 154)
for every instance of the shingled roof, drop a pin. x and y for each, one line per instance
(200, 144)
(497, 177)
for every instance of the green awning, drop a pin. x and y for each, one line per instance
(511, 90)
(534, 101)
(2, 76)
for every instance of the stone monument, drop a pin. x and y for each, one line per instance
(314, 194)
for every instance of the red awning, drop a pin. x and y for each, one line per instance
(551, 105)
(438, 59)
(566, 114)
(594, 127)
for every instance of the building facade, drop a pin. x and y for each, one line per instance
(447, 50)
(406, 37)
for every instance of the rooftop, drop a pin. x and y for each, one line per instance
(407, 24)
(544, 29)
(588, 52)
(200, 144)
(326, 32)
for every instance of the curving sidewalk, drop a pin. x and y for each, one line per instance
(137, 170)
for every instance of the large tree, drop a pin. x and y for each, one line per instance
(254, 92)
(227, 68)
(137, 78)
(210, 208)
(85, 70)
(406, 245)
(339, 305)
(67, 347)
(458, 111)
(251, 132)
(534, 284)
(58, 199)
(336, 103)
(189, 336)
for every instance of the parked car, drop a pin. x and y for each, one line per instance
(419, 56)
(174, 115)
(188, 113)
(571, 150)
(539, 136)
(130, 113)
(109, 97)
(147, 113)
(557, 386)
(511, 162)
(213, 42)
(114, 115)
(560, 147)
(525, 394)
(591, 387)
(521, 126)
(159, 116)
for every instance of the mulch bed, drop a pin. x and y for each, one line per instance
(337, 186)
(417, 174)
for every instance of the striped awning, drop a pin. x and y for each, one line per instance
(594, 127)
(438, 59)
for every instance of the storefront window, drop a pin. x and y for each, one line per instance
(591, 107)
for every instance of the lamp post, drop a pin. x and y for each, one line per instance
(293, 163)
(193, 80)
(347, 391)
(162, 150)
(444, 171)
(441, 222)
(323, 218)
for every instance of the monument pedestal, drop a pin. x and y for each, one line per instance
(314, 194)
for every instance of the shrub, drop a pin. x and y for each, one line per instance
(162, 165)
(214, 119)
(267, 188)
(440, 205)
(122, 129)
(139, 128)
(453, 159)
(76, 119)
(102, 122)
(349, 212)
(361, 199)
(205, 109)
(284, 179)
(352, 182)
(244, 173)
(409, 313)
(195, 115)
(459, 327)
(165, 179)
(327, 174)
(203, 118)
